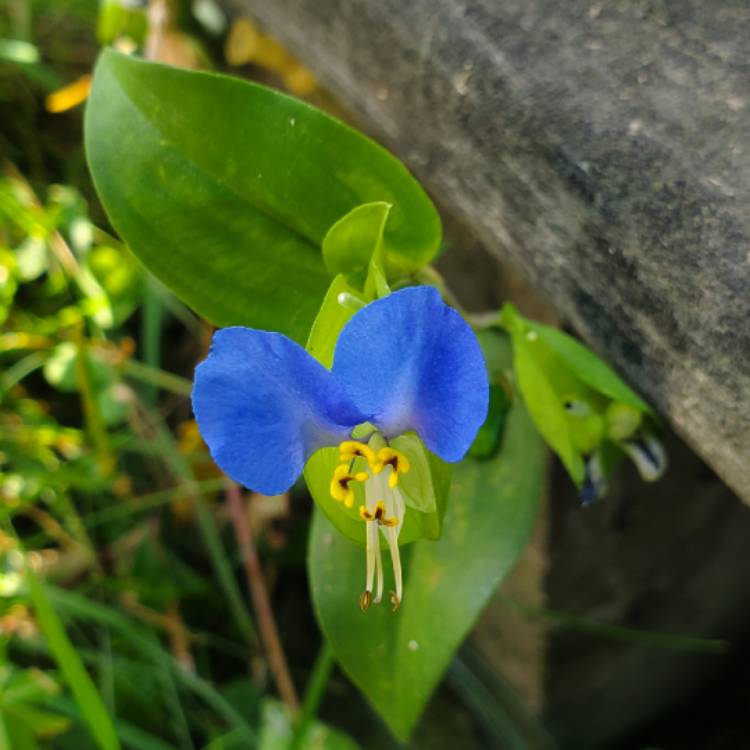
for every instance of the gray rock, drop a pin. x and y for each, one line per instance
(602, 148)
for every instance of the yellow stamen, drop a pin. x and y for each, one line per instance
(377, 515)
(398, 462)
(365, 600)
(339, 487)
(351, 449)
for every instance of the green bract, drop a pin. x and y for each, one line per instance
(226, 190)
(580, 406)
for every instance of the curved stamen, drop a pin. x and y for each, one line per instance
(339, 487)
(398, 462)
(373, 553)
(351, 449)
(384, 516)
(378, 514)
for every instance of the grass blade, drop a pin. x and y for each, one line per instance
(86, 695)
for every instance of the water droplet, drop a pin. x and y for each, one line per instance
(532, 336)
(412, 646)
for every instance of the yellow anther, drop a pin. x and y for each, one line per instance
(398, 462)
(340, 489)
(351, 449)
(377, 515)
(365, 600)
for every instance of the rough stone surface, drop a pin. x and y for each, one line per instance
(603, 148)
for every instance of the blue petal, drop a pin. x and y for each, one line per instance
(264, 405)
(413, 363)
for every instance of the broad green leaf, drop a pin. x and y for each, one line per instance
(397, 659)
(353, 240)
(87, 697)
(587, 366)
(226, 189)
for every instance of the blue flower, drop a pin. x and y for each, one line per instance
(405, 363)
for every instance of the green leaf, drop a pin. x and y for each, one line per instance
(87, 697)
(587, 366)
(397, 659)
(545, 383)
(226, 189)
(544, 403)
(339, 305)
(353, 240)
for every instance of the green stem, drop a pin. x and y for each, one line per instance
(157, 378)
(19, 370)
(153, 313)
(314, 693)
(94, 421)
(148, 502)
